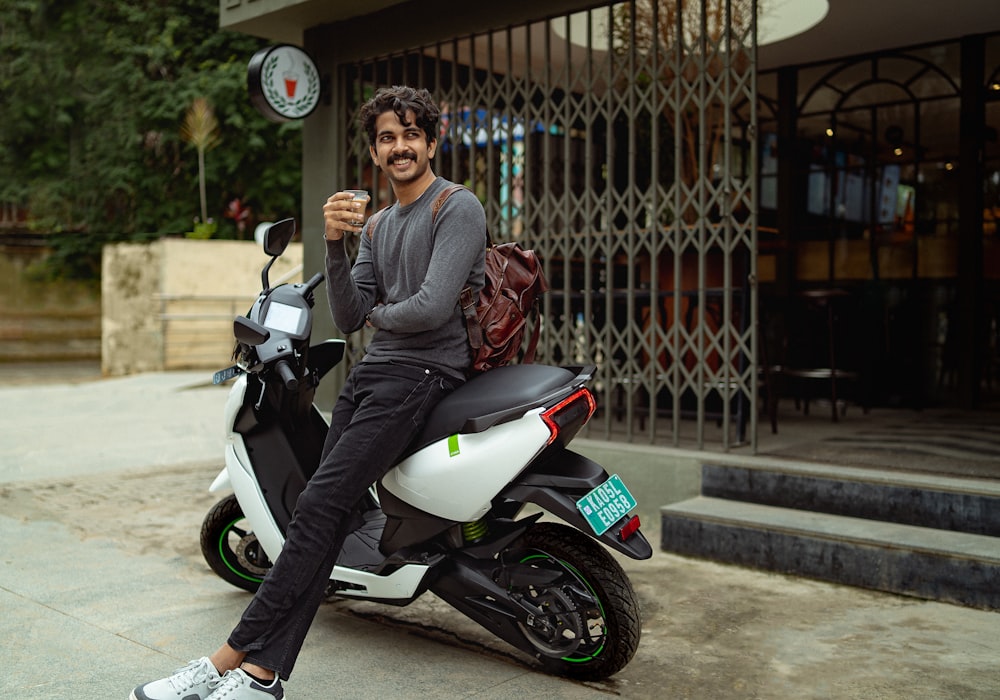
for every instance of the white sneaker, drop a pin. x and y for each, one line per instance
(237, 685)
(195, 681)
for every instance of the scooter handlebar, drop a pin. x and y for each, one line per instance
(314, 282)
(287, 375)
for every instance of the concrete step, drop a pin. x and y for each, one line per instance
(947, 503)
(948, 566)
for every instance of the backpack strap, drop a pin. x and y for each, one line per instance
(435, 208)
(467, 299)
(443, 197)
(468, 302)
(529, 352)
(373, 221)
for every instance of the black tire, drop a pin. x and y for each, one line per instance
(609, 616)
(232, 551)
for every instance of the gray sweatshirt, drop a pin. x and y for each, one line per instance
(408, 277)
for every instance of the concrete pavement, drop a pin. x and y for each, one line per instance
(102, 586)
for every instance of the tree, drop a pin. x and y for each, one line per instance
(92, 95)
(201, 130)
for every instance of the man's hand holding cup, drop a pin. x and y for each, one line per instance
(344, 212)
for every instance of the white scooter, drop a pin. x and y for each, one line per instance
(445, 518)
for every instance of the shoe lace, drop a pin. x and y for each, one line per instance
(230, 682)
(191, 675)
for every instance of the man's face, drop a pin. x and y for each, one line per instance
(402, 152)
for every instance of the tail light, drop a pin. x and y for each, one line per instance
(569, 415)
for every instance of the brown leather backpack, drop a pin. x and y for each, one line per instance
(497, 320)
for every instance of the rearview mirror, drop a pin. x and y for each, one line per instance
(250, 333)
(278, 236)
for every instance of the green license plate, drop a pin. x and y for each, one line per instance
(224, 375)
(606, 504)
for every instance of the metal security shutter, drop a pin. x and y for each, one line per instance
(619, 143)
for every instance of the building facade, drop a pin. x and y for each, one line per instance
(724, 218)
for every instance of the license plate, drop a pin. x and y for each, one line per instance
(224, 375)
(606, 504)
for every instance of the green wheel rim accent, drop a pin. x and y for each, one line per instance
(225, 559)
(600, 606)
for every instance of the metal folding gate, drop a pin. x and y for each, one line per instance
(619, 143)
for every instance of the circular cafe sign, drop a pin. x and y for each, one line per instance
(283, 83)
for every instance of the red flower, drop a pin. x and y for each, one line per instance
(238, 213)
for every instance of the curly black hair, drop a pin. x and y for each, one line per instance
(401, 99)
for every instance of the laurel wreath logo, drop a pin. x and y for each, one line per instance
(271, 87)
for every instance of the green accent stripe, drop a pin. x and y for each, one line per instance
(453, 450)
(580, 659)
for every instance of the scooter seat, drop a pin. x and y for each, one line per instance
(501, 394)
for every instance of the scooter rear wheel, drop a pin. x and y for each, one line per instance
(592, 624)
(232, 550)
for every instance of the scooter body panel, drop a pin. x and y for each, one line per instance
(243, 481)
(234, 401)
(457, 478)
(401, 586)
(252, 500)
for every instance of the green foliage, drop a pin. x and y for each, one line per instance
(93, 94)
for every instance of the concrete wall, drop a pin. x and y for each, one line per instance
(43, 320)
(131, 338)
(170, 304)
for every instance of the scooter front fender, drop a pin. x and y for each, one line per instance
(558, 482)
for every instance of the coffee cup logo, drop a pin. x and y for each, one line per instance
(291, 82)
(284, 83)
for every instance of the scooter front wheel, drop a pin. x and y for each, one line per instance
(232, 550)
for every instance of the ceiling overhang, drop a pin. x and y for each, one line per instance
(847, 28)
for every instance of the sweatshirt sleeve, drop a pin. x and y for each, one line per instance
(350, 288)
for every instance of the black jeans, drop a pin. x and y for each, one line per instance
(379, 412)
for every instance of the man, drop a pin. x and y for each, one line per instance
(405, 283)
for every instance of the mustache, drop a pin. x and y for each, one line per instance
(408, 154)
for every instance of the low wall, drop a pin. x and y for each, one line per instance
(170, 304)
(42, 320)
